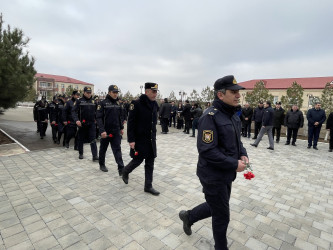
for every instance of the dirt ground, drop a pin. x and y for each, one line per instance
(4, 139)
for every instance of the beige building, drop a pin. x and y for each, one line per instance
(49, 85)
(313, 87)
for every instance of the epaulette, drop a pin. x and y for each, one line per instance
(213, 111)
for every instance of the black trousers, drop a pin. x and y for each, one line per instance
(54, 131)
(278, 133)
(42, 126)
(149, 169)
(115, 143)
(217, 207)
(88, 134)
(313, 134)
(331, 138)
(70, 132)
(187, 126)
(165, 124)
(180, 124)
(257, 127)
(247, 129)
(172, 118)
(292, 132)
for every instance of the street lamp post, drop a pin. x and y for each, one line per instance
(141, 87)
(182, 95)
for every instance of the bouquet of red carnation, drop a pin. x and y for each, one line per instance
(248, 172)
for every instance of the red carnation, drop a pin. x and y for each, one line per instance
(111, 135)
(136, 153)
(83, 121)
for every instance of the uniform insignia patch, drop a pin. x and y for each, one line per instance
(131, 106)
(74, 103)
(234, 81)
(211, 113)
(207, 136)
(65, 105)
(93, 101)
(98, 107)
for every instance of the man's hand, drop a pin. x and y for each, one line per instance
(241, 166)
(65, 123)
(53, 122)
(245, 159)
(132, 145)
(46, 120)
(78, 123)
(122, 132)
(103, 135)
(246, 118)
(316, 123)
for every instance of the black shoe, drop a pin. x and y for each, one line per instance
(287, 143)
(187, 132)
(151, 191)
(95, 158)
(277, 141)
(254, 138)
(315, 148)
(55, 141)
(80, 156)
(37, 131)
(270, 148)
(42, 137)
(192, 135)
(58, 142)
(330, 150)
(254, 145)
(75, 148)
(125, 176)
(308, 147)
(103, 168)
(184, 216)
(66, 145)
(293, 144)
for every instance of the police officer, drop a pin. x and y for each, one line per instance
(35, 111)
(53, 118)
(70, 129)
(110, 122)
(41, 116)
(257, 118)
(141, 135)
(60, 111)
(83, 113)
(221, 155)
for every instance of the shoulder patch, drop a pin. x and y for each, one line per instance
(93, 101)
(131, 106)
(74, 103)
(99, 107)
(211, 113)
(65, 104)
(207, 136)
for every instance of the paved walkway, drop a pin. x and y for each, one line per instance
(51, 200)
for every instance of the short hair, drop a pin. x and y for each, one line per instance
(187, 101)
(269, 103)
(223, 91)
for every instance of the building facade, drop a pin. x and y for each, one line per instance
(50, 85)
(313, 88)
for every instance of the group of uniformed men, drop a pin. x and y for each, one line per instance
(221, 152)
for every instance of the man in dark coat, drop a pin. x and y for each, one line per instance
(257, 118)
(41, 116)
(293, 121)
(221, 156)
(267, 126)
(316, 117)
(165, 111)
(329, 126)
(187, 116)
(70, 128)
(141, 135)
(278, 120)
(84, 115)
(110, 118)
(196, 114)
(53, 118)
(247, 113)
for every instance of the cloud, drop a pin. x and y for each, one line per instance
(180, 44)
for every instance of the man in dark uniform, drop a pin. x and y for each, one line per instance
(141, 135)
(84, 113)
(42, 116)
(187, 116)
(173, 114)
(221, 155)
(257, 118)
(110, 122)
(53, 118)
(278, 120)
(329, 127)
(316, 117)
(70, 129)
(35, 110)
(60, 121)
(165, 111)
(247, 113)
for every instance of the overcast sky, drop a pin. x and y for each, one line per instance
(180, 44)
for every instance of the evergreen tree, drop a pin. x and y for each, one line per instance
(128, 96)
(294, 96)
(327, 98)
(69, 90)
(16, 66)
(31, 95)
(172, 96)
(259, 93)
(194, 96)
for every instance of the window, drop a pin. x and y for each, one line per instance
(276, 99)
(62, 86)
(43, 84)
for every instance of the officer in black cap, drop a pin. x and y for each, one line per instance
(84, 113)
(110, 122)
(44, 102)
(70, 128)
(257, 118)
(278, 120)
(141, 135)
(221, 155)
(53, 117)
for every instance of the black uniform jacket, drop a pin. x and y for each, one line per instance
(247, 113)
(84, 110)
(67, 112)
(110, 116)
(53, 112)
(141, 127)
(219, 144)
(294, 119)
(329, 122)
(279, 116)
(187, 111)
